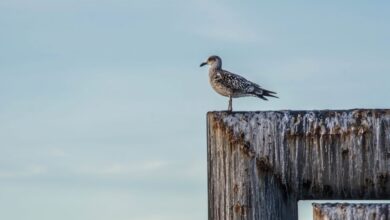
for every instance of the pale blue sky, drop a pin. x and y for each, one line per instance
(103, 103)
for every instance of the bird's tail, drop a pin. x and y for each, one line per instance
(263, 93)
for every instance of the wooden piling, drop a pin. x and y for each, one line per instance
(346, 211)
(261, 163)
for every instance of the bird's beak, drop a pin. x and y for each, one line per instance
(202, 64)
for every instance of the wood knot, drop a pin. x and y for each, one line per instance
(235, 188)
(240, 209)
(344, 151)
(263, 164)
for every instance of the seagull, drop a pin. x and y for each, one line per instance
(232, 85)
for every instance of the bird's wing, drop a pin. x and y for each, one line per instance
(235, 82)
(241, 85)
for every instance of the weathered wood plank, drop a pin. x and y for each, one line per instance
(261, 163)
(346, 211)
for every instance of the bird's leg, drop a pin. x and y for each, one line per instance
(230, 107)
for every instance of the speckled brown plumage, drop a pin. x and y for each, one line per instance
(232, 85)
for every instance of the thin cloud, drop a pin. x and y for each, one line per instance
(30, 171)
(122, 169)
(57, 152)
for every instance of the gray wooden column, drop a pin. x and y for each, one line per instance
(261, 163)
(345, 211)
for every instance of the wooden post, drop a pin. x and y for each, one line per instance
(261, 163)
(345, 211)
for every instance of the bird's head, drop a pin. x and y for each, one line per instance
(213, 61)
